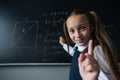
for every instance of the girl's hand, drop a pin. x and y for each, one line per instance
(88, 66)
(62, 41)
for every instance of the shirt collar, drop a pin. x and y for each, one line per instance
(81, 48)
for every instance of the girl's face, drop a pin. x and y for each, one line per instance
(78, 29)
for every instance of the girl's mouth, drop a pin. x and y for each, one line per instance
(80, 40)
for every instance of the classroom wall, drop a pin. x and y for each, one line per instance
(34, 73)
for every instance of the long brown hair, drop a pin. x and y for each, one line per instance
(99, 37)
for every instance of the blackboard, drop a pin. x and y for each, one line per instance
(30, 29)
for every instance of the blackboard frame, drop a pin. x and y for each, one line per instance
(52, 14)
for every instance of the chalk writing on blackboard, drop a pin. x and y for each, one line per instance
(54, 18)
(25, 34)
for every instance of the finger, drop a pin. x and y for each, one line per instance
(80, 63)
(92, 67)
(81, 58)
(90, 47)
(89, 68)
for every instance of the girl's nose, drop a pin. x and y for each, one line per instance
(77, 33)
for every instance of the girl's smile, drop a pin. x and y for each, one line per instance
(79, 40)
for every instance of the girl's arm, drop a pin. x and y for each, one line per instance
(104, 70)
(63, 43)
(71, 51)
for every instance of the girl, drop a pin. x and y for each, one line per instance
(96, 63)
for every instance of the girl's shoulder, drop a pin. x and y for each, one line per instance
(97, 47)
(100, 57)
(98, 51)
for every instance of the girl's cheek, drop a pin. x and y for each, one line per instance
(72, 38)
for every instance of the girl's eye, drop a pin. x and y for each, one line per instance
(71, 31)
(82, 27)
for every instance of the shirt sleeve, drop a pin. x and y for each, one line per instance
(71, 51)
(104, 70)
(103, 76)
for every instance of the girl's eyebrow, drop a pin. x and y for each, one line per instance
(70, 28)
(73, 27)
(83, 25)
